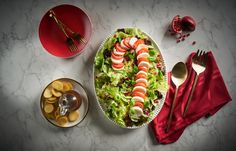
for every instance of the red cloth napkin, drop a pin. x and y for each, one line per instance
(209, 96)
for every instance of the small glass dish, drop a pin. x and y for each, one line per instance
(53, 103)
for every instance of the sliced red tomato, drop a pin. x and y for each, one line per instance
(141, 75)
(143, 68)
(142, 50)
(140, 84)
(118, 57)
(139, 104)
(119, 48)
(139, 93)
(142, 59)
(139, 41)
(126, 42)
(118, 66)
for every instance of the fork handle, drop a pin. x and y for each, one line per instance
(171, 111)
(72, 32)
(58, 23)
(65, 27)
(191, 95)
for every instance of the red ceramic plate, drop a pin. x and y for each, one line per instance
(53, 39)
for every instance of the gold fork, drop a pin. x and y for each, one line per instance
(199, 63)
(76, 35)
(69, 41)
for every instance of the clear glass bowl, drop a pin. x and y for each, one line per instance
(49, 103)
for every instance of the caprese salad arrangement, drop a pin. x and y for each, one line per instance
(129, 77)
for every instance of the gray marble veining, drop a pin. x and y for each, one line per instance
(26, 68)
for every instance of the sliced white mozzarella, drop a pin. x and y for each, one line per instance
(118, 52)
(117, 61)
(143, 72)
(140, 46)
(138, 111)
(132, 50)
(142, 80)
(123, 45)
(138, 98)
(144, 63)
(140, 88)
(145, 54)
(132, 41)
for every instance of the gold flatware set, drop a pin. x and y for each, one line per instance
(70, 38)
(179, 75)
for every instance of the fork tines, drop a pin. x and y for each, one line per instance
(72, 46)
(205, 57)
(83, 40)
(201, 57)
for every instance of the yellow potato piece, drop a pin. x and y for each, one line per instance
(73, 116)
(51, 100)
(50, 116)
(67, 86)
(48, 108)
(47, 93)
(57, 113)
(57, 85)
(70, 85)
(56, 93)
(62, 120)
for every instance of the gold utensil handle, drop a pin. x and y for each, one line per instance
(171, 111)
(52, 14)
(60, 22)
(65, 27)
(191, 95)
(70, 30)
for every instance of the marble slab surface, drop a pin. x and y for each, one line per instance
(26, 68)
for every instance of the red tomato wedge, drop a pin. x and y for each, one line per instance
(126, 42)
(139, 104)
(139, 41)
(119, 48)
(118, 57)
(142, 51)
(142, 59)
(138, 93)
(140, 84)
(143, 68)
(141, 75)
(118, 66)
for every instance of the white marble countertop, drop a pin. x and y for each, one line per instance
(26, 68)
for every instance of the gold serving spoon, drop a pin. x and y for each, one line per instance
(178, 76)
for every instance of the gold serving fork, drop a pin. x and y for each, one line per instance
(199, 63)
(76, 35)
(69, 41)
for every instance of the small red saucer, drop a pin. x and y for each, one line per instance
(53, 39)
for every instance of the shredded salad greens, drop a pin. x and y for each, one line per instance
(114, 87)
